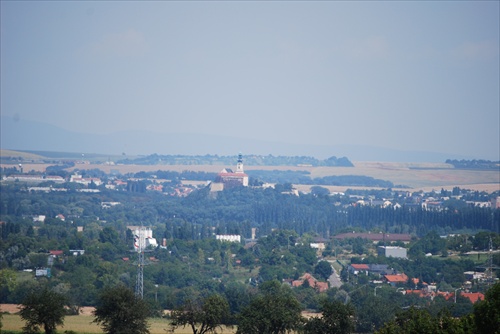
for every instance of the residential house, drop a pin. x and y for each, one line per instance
(396, 279)
(357, 269)
(380, 269)
(319, 245)
(313, 282)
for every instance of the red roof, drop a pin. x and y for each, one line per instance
(400, 278)
(360, 266)
(313, 283)
(420, 293)
(474, 297)
(56, 252)
(447, 295)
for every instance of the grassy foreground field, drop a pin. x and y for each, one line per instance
(82, 324)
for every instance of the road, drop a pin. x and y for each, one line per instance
(334, 279)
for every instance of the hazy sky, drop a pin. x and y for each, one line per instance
(420, 75)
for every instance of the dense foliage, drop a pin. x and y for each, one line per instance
(474, 164)
(487, 312)
(203, 316)
(274, 310)
(254, 160)
(335, 318)
(119, 311)
(44, 308)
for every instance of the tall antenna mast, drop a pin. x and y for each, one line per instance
(140, 245)
(489, 269)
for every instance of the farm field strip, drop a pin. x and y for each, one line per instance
(83, 324)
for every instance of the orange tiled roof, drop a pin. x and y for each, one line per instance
(474, 297)
(56, 252)
(420, 293)
(400, 278)
(313, 283)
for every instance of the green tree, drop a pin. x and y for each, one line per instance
(373, 311)
(120, 311)
(275, 310)
(337, 318)
(8, 281)
(487, 312)
(411, 321)
(203, 316)
(323, 269)
(43, 308)
(320, 191)
(420, 321)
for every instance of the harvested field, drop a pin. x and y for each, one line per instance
(9, 308)
(83, 324)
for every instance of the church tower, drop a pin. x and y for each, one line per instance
(239, 165)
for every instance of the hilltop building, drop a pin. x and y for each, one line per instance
(227, 178)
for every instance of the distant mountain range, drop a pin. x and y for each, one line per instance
(38, 136)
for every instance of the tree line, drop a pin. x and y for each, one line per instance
(240, 209)
(254, 160)
(474, 164)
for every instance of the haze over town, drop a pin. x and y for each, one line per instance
(321, 78)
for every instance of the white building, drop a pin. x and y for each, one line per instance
(392, 251)
(39, 218)
(143, 238)
(228, 237)
(85, 180)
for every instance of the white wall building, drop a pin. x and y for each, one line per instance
(143, 238)
(393, 251)
(228, 237)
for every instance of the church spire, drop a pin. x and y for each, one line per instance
(239, 165)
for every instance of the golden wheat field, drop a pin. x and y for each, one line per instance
(82, 324)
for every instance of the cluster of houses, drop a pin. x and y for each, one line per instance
(423, 200)
(420, 289)
(90, 184)
(430, 291)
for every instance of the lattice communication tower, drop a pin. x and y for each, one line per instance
(139, 246)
